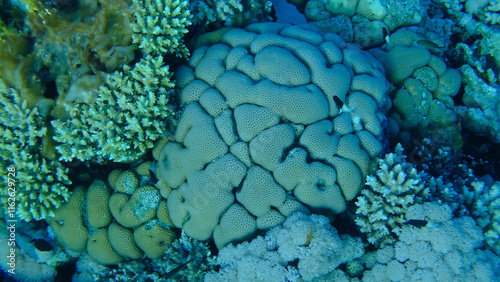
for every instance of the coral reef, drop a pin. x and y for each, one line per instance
(280, 123)
(365, 22)
(249, 101)
(445, 250)
(74, 42)
(309, 240)
(397, 186)
(185, 260)
(40, 183)
(475, 28)
(121, 118)
(482, 105)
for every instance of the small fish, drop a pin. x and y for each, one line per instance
(417, 222)
(338, 102)
(42, 245)
(176, 270)
(386, 35)
(385, 32)
(428, 44)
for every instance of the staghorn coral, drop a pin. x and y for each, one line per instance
(41, 183)
(251, 97)
(122, 119)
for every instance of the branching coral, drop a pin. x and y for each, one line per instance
(395, 186)
(129, 112)
(41, 183)
(160, 26)
(485, 198)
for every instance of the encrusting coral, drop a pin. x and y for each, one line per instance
(365, 22)
(445, 250)
(122, 118)
(308, 239)
(251, 96)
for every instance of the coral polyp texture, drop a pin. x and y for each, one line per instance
(308, 239)
(120, 119)
(126, 221)
(289, 115)
(425, 89)
(365, 22)
(447, 249)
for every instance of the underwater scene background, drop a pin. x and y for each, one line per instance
(320, 140)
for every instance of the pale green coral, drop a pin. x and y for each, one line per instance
(40, 183)
(393, 188)
(481, 112)
(476, 25)
(232, 13)
(270, 94)
(161, 25)
(129, 112)
(486, 210)
(424, 90)
(368, 18)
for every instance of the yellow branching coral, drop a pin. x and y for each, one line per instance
(128, 114)
(41, 185)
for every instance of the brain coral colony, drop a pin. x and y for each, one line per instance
(176, 140)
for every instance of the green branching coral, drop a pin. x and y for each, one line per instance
(160, 26)
(41, 185)
(128, 113)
